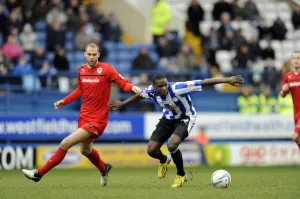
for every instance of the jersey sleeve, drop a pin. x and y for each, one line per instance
(284, 81)
(75, 94)
(187, 87)
(147, 93)
(120, 80)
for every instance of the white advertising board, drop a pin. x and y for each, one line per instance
(234, 125)
(264, 154)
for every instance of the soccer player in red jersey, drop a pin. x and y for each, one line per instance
(291, 83)
(94, 85)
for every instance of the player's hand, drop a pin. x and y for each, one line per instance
(285, 89)
(236, 80)
(59, 104)
(115, 105)
(136, 90)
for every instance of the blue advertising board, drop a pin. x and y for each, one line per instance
(123, 126)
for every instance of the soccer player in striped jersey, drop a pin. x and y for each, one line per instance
(178, 118)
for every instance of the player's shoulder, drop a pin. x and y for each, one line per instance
(82, 68)
(289, 75)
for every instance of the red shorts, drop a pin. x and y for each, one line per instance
(297, 123)
(95, 128)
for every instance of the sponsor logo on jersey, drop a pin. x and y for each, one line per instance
(90, 80)
(99, 70)
(294, 84)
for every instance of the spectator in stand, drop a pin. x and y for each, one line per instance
(99, 20)
(221, 6)
(225, 26)
(238, 11)
(251, 11)
(12, 49)
(278, 30)
(210, 45)
(4, 26)
(242, 58)
(143, 61)
(57, 15)
(40, 11)
(114, 29)
(160, 17)
(164, 49)
(82, 38)
(28, 39)
(12, 4)
(55, 36)
(73, 23)
(60, 61)
(204, 68)
(185, 60)
(97, 39)
(239, 39)
(296, 17)
(22, 67)
(195, 15)
(268, 52)
(227, 42)
(13, 21)
(254, 49)
(5, 66)
(38, 58)
(270, 75)
(143, 83)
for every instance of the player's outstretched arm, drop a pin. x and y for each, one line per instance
(236, 80)
(118, 105)
(284, 90)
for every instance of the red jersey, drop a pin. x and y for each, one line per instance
(95, 86)
(293, 80)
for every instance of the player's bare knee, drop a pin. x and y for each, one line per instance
(65, 144)
(85, 152)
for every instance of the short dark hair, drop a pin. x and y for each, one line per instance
(91, 45)
(158, 77)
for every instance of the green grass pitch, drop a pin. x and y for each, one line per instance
(142, 183)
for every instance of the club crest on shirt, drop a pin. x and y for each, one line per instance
(99, 70)
(175, 99)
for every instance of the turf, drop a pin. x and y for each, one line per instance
(254, 183)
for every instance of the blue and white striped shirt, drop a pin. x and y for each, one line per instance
(178, 102)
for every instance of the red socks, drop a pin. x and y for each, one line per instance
(94, 157)
(55, 159)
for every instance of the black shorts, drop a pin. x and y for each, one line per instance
(165, 128)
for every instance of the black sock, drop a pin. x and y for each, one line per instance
(178, 161)
(162, 158)
(159, 155)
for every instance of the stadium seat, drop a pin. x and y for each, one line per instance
(69, 36)
(205, 27)
(40, 26)
(224, 58)
(69, 45)
(125, 56)
(27, 56)
(263, 44)
(50, 56)
(154, 56)
(78, 56)
(110, 45)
